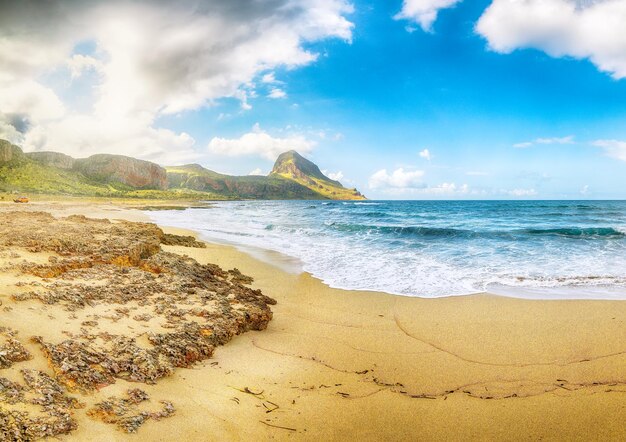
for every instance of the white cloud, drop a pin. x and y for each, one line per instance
(337, 176)
(446, 189)
(260, 143)
(269, 78)
(613, 148)
(277, 93)
(257, 171)
(554, 140)
(401, 182)
(584, 191)
(423, 12)
(398, 179)
(82, 135)
(592, 29)
(520, 193)
(79, 63)
(426, 154)
(179, 56)
(29, 98)
(10, 133)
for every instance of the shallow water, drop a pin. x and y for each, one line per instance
(531, 249)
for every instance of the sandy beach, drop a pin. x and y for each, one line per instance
(346, 365)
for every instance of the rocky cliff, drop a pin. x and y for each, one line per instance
(135, 173)
(9, 152)
(293, 177)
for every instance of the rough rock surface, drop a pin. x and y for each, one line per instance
(9, 152)
(54, 416)
(136, 173)
(138, 314)
(125, 412)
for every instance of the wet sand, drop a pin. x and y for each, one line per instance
(336, 364)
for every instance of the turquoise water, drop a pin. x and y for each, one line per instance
(530, 249)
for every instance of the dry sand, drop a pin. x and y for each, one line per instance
(336, 364)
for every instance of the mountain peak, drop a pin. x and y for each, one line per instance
(293, 166)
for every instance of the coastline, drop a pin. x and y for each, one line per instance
(343, 364)
(444, 250)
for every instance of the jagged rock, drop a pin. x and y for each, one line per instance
(202, 305)
(125, 413)
(179, 240)
(54, 417)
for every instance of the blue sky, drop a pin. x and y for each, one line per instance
(413, 107)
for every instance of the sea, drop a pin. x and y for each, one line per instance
(430, 249)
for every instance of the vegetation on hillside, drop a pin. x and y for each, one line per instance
(27, 176)
(291, 165)
(50, 173)
(193, 176)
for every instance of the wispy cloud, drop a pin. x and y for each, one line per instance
(277, 93)
(257, 171)
(337, 176)
(613, 148)
(554, 140)
(520, 193)
(269, 78)
(398, 179)
(426, 154)
(584, 191)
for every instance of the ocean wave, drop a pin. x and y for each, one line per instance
(578, 232)
(435, 249)
(448, 232)
(400, 230)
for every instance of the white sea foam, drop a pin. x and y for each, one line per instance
(439, 259)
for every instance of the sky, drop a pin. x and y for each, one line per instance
(403, 99)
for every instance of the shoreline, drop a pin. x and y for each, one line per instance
(293, 264)
(343, 364)
(474, 392)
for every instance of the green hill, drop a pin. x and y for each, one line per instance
(293, 177)
(293, 166)
(196, 177)
(52, 173)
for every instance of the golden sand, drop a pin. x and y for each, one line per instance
(336, 364)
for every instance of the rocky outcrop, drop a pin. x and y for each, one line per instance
(135, 173)
(54, 159)
(293, 165)
(293, 177)
(9, 152)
